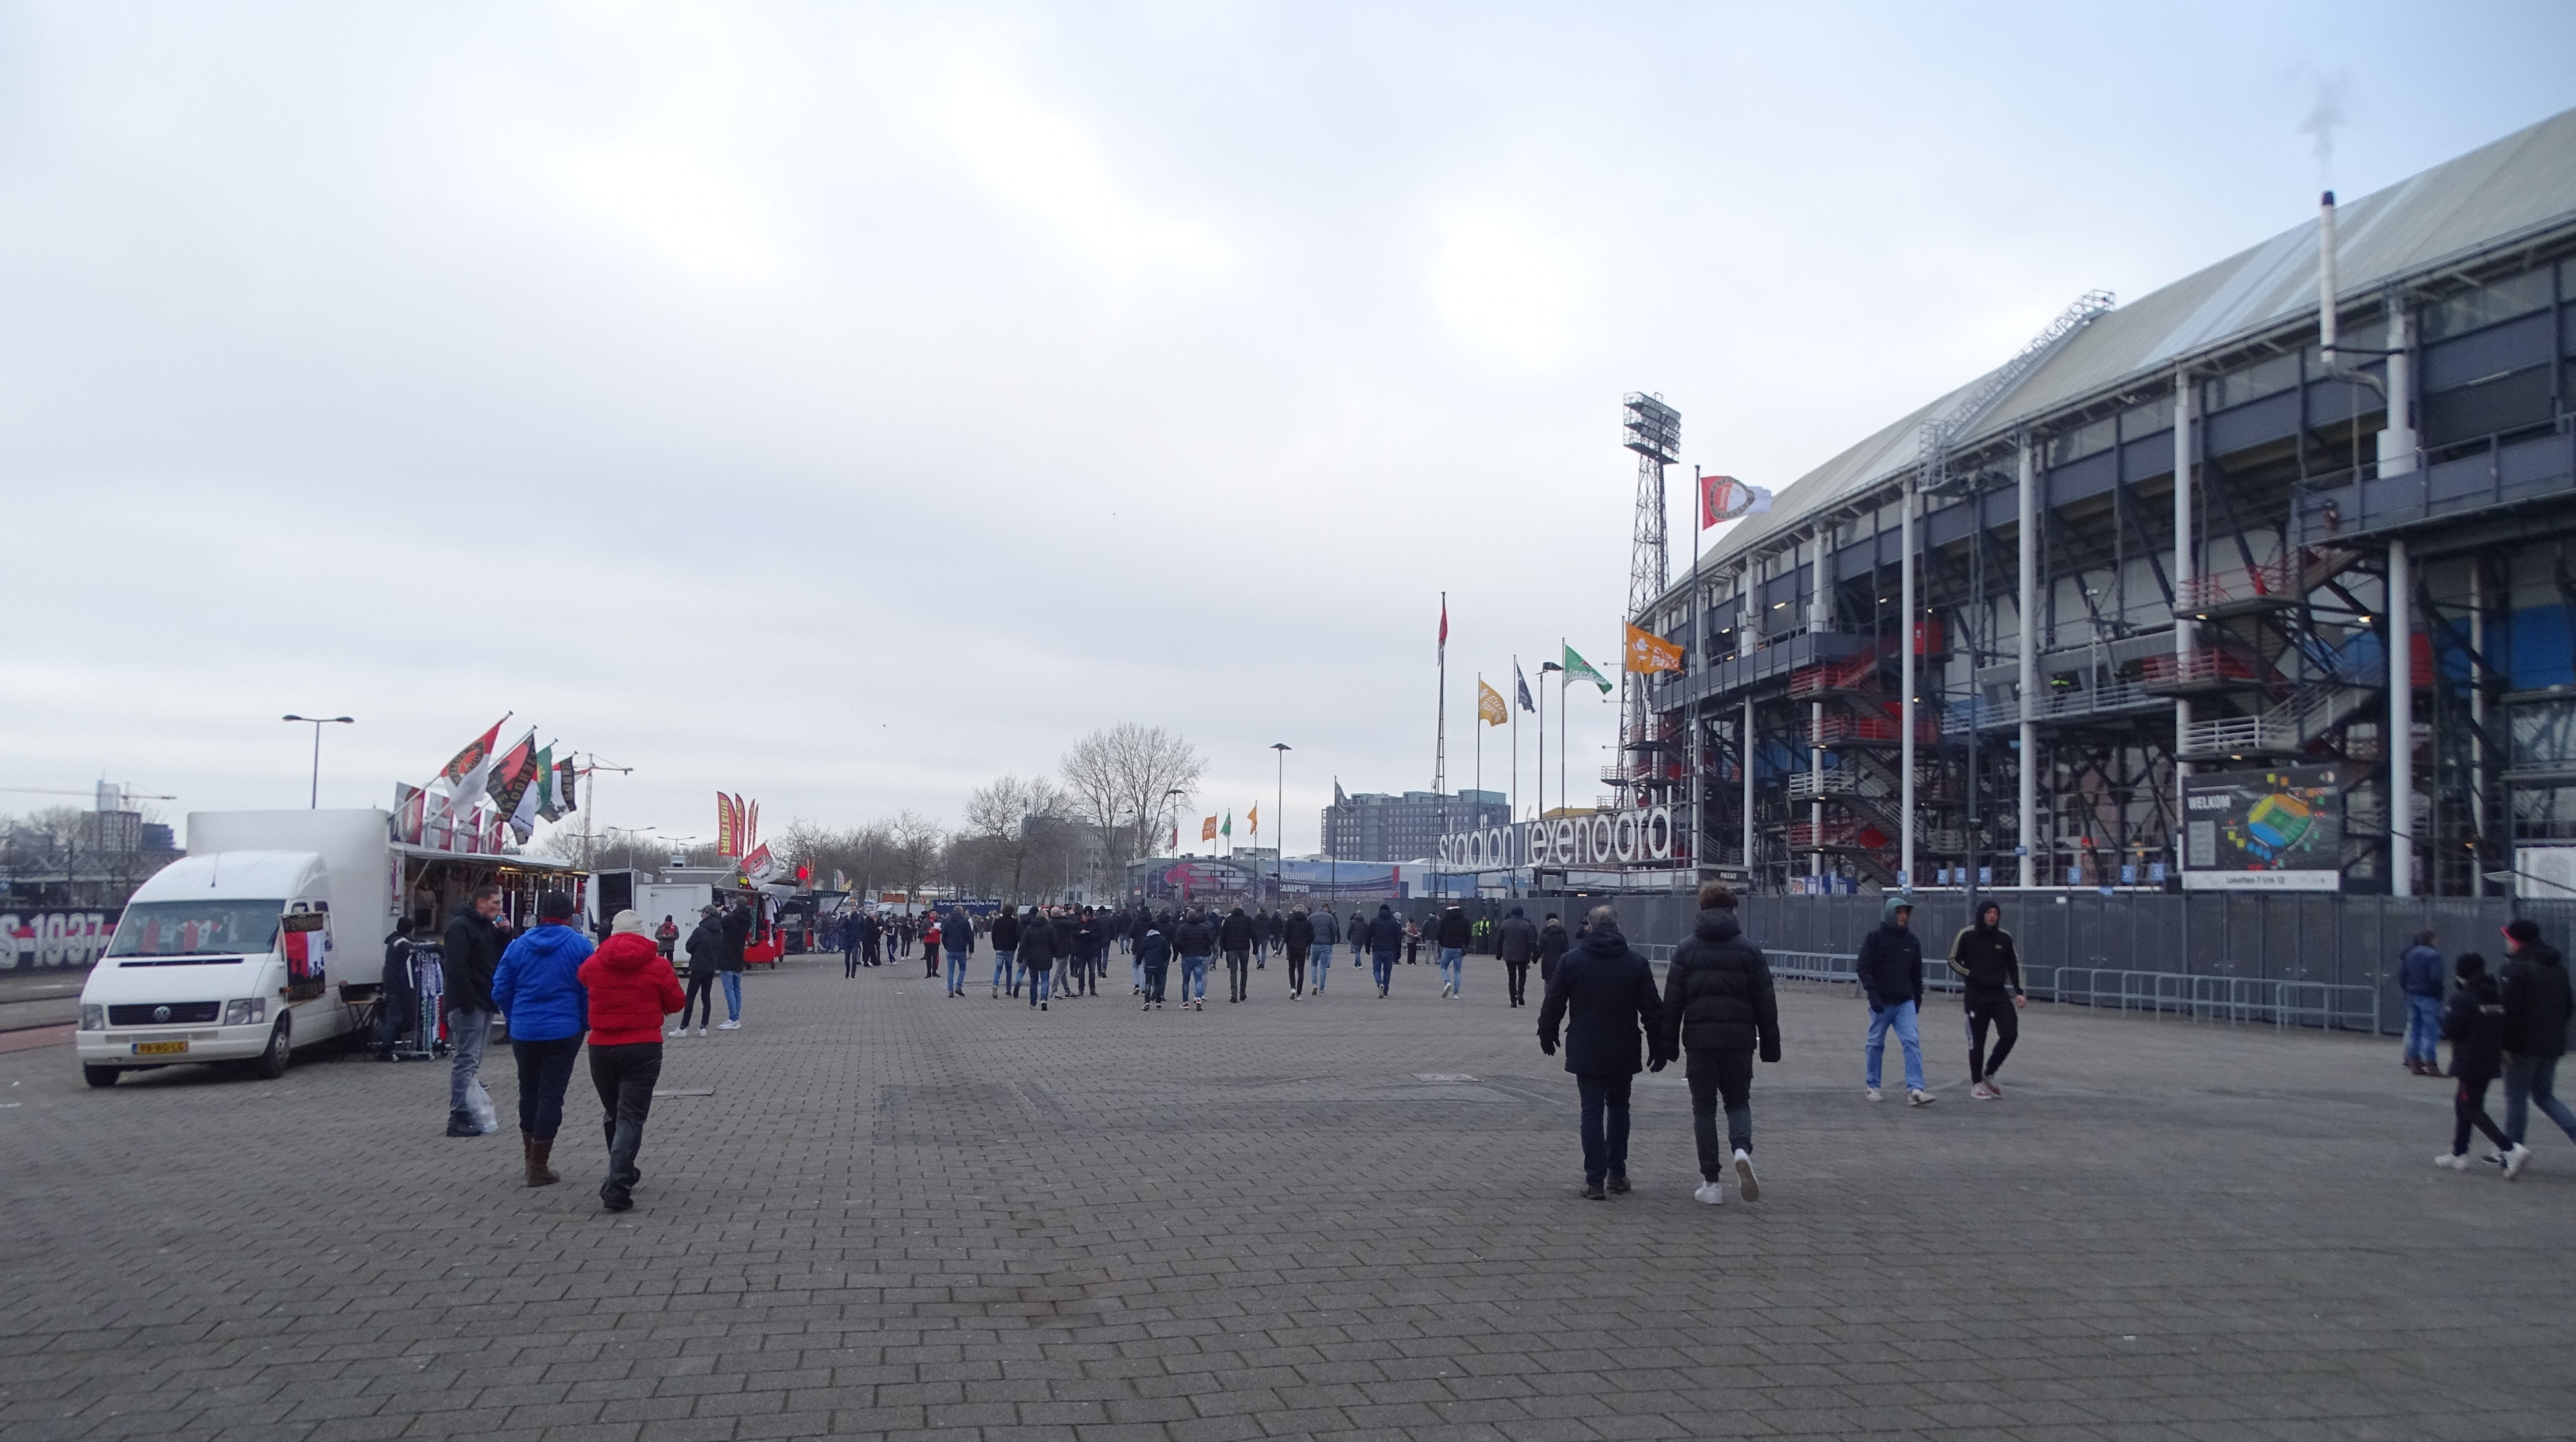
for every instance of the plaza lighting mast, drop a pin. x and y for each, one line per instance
(1654, 431)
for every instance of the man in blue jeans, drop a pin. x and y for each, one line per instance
(1006, 951)
(2536, 1008)
(1454, 936)
(1891, 975)
(2419, 976)
(1195, 939)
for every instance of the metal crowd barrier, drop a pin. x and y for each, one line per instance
(2236, 1000)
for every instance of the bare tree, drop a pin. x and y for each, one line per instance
(1015, 818)
(1124, 777)
(913, 850)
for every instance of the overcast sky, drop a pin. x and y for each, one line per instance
(842, 405)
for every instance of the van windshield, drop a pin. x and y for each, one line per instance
(197, 928)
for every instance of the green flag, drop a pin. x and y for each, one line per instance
(1227, 830)
(1577, 666)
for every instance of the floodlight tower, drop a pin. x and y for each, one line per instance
(1654, 431)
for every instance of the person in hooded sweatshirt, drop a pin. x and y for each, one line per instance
(1983, 958)
(2419, 979)
(957, 938)
(1719, 1009)
(1037, 956)
(1153, 962)
(705, 948)
(2473, 1024)
(1006, 952)
(1516, 941)
(538, 987)
(630, 987)
(1386, 941)
(1891, 977)
(1604, 996)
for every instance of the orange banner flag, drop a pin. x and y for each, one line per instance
(1207, 829)
(1650, 652)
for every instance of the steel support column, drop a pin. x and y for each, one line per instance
(2183, 573)
(2027, 598)
(1905, 648)
(2401, 726)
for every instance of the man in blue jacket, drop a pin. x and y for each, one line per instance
(1604, 993)
(1891, 977)
(2419, 976)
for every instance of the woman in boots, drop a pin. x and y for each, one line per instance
(538, 987)
(631, 988)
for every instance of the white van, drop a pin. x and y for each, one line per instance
(227, 954)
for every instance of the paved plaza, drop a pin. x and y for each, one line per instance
(877, 1211)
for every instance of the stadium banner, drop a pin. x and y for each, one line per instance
(2276, 829)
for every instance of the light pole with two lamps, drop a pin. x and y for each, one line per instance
(317, 723)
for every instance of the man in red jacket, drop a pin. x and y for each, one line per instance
(631, 989)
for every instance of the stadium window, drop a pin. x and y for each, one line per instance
(2488, 305)
(2083, 441)
(2146, 420)
(2253, 383)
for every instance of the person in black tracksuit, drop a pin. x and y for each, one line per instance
(1982, 956)
(1090, 951)
(1154, 958)
(2473, 1023)
(1719, 1008)
(1237, 936)
(1552, 943)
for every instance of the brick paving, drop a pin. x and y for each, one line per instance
(904, 1215)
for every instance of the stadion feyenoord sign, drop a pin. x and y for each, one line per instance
(1604, 839)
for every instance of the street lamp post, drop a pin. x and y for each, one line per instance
(1279, 837)
(314, 803)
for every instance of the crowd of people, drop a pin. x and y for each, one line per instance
(1030, 947)
(1716, 1010)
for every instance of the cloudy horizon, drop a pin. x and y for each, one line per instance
(842, 406)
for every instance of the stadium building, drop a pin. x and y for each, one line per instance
(2037, 626)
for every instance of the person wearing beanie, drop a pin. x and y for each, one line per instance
(630, 987)
(2473, 1023)
(538, 987)
(2536, 1007)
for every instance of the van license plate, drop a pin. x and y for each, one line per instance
(159, 1048)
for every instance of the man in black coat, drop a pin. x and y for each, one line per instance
(1604, 994)
(1719, 1008)
(471, 949)
(2536, 1007)
(1552, 945)
(1891, 977)
(1006, 952)
(1297, 939)
(1386, 939)
(1240, 933)
(1516, 941)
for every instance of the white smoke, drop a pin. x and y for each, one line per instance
(2325, 117)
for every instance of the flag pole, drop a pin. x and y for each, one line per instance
(1512, 796)
(1440, 743)
(1480, 751)
(1699, 519)
(1563, 677)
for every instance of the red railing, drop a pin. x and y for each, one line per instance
(2207, 664)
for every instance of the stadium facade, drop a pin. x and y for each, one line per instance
(2156, 567)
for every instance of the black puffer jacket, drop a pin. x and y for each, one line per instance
(1455, 930)
(1516, 941)
(1239, 931)
(1037, 945)
(1552, 942)
(1718, 994)
(2535, 1002)
(1297, 933)
(1006, 932)
(472, 949)
(1194, 937)
(1604, 994)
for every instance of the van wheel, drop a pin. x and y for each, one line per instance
(101, 1076)
(272, 1062)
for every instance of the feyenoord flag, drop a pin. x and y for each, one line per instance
(532, 794)
(759, 866)
(462, 781)
(567, 780)
(1207, 829)
(511, 776)
(1252, 818)
(1578, 668)
(1521, 683)
(1490, 708)
(1723, 498)
(727, 844)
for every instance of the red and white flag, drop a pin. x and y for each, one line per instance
(463, 782)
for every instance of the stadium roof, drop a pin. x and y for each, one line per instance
(2521, 185)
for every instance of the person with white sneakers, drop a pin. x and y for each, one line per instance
(1890, 971)
(1719, 1009)
(2473, 1023)
(1454, 935)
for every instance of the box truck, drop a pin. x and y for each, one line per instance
(239, 950)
